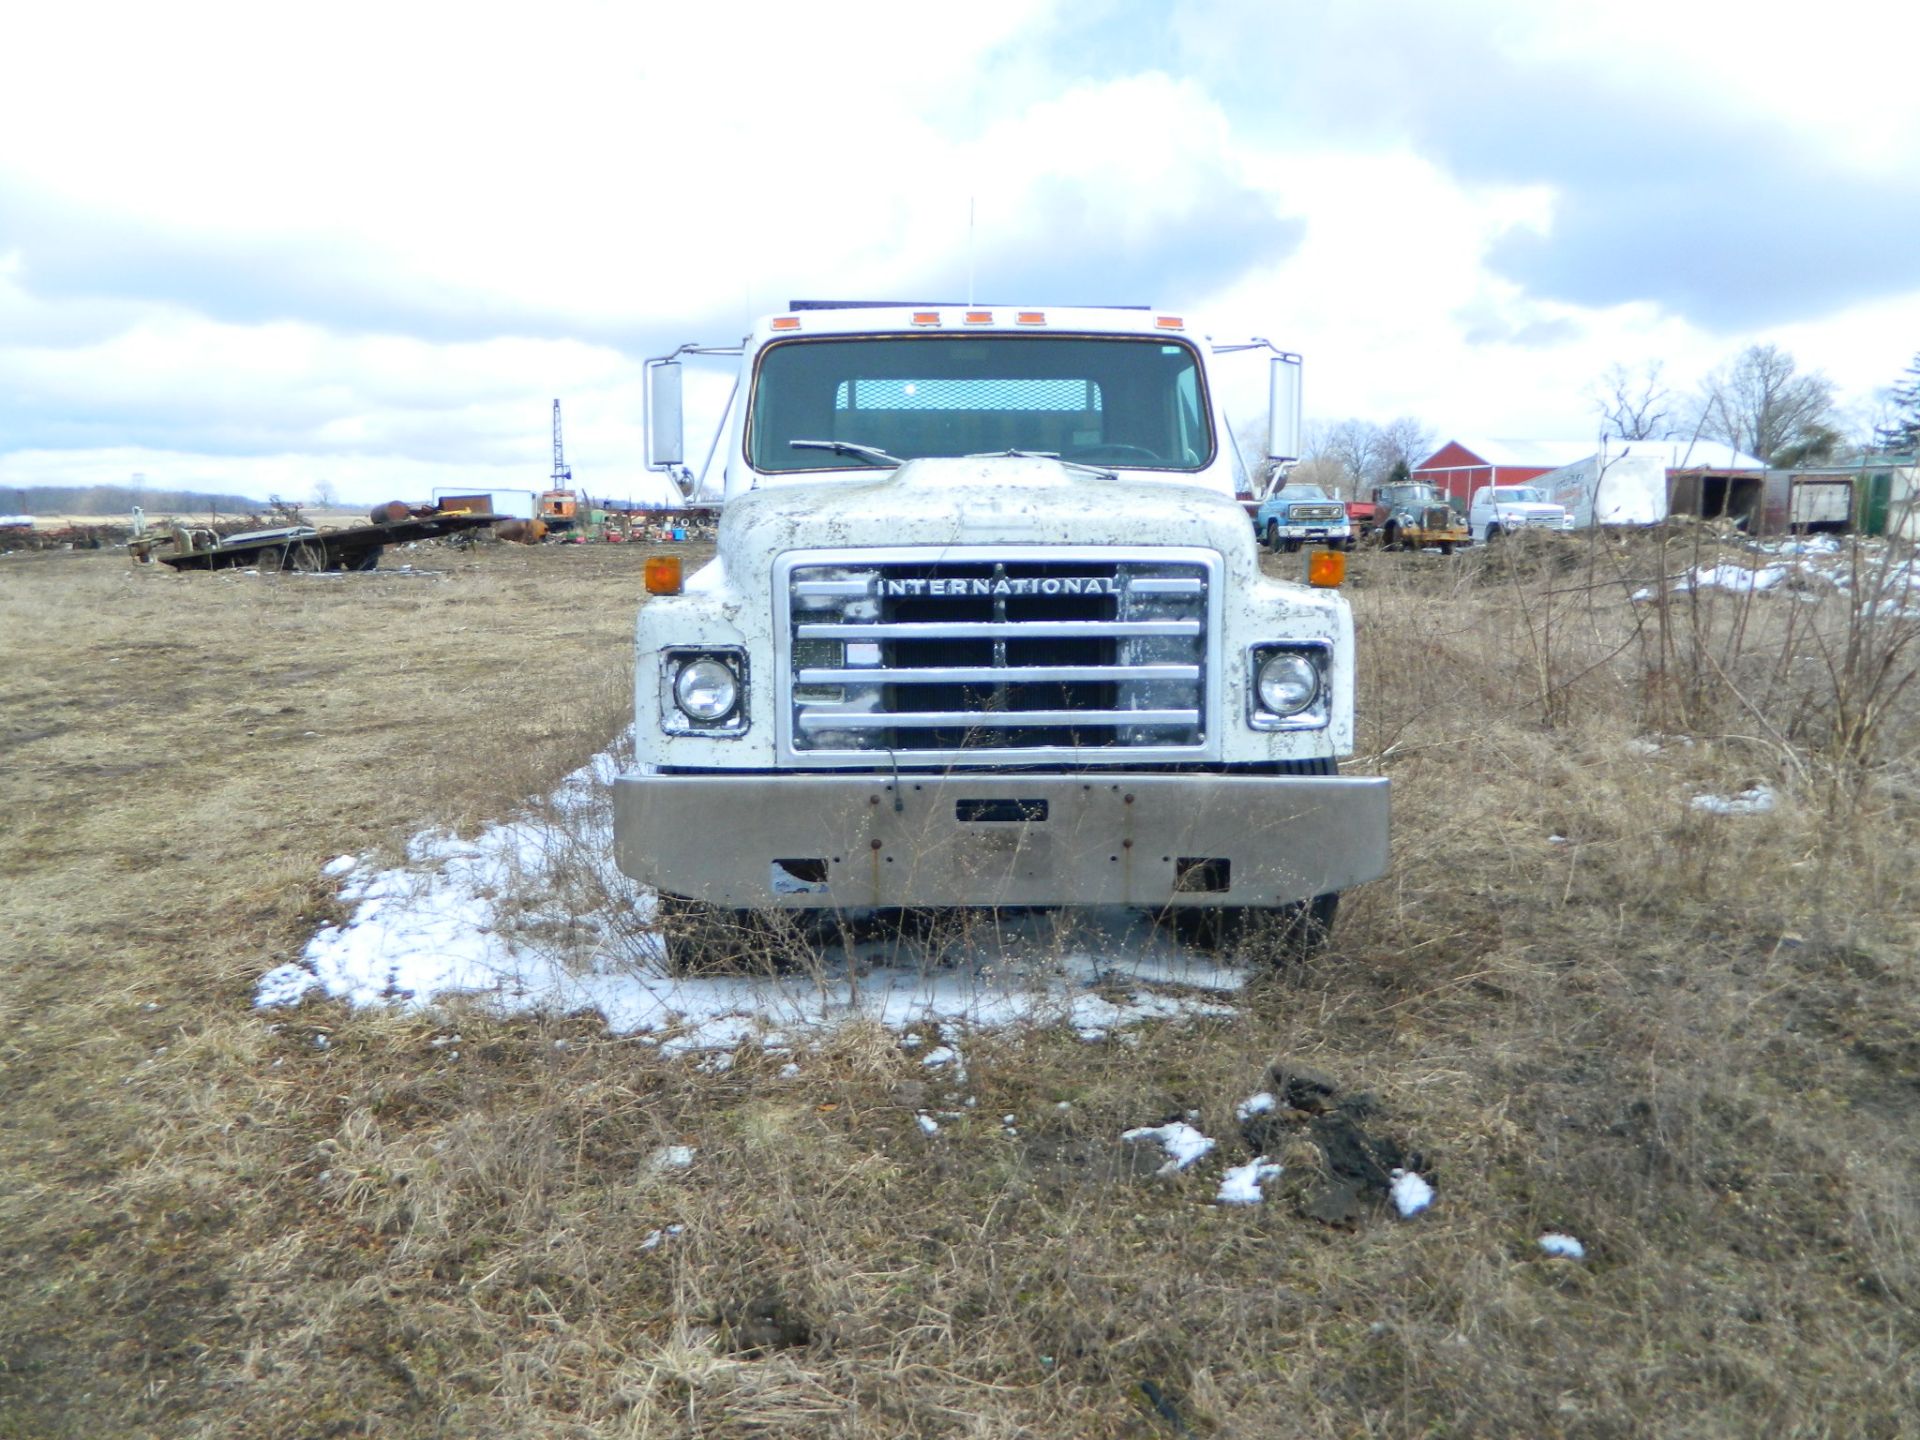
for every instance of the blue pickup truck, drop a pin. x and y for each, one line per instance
(1297, 515)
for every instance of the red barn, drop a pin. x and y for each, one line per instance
(1461, 467)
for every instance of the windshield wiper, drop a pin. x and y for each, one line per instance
(1055, 455)
(868, 453)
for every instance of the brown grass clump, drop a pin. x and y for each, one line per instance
(1686, 1038)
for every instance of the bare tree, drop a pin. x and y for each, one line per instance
(1759, 402)
(1636, 404)
(1363, 453)
(1327, 474)
(1399, 445)
(325, 497)
(1348, 446)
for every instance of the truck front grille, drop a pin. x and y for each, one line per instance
(985, 656)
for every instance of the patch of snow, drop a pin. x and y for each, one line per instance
(1253, 1105)
(491, 918)
(1182, 1142)
(1807, 545)
(1410, 1193)
(1554, 1243)
(654, 1237)
(941, 1055)
(1241, 1185)
(671, 1157)
(928, 1125)
(789, 1071)
(1757, 801)
(338, 866)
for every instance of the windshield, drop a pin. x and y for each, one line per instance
(1307, 492)
(1518, 495)
(1113, 401)
(1415, 495)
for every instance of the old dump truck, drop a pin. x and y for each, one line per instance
(1409, 515)
(987, 627)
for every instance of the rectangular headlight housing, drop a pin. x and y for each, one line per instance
(676, 720)
(1317, 713)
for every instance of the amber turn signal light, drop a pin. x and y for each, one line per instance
(1326, 568)
(663, 574)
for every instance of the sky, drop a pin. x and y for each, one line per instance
(362, 248)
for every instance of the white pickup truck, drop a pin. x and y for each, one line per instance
(987, 627)
(1502, 509)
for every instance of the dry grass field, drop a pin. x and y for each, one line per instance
(1690, 1039)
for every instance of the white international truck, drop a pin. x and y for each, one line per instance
(987, 627)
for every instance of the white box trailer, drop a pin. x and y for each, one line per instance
(1820, 502)
(1624, 487)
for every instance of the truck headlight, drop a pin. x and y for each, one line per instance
(1288, 689)
(1288, 682)
(703, 692)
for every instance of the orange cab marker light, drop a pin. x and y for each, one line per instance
(926, 317)
(979, 317)
(1171, 322)
(663, 574)
(1327, 568)
(1033, 317)
(785, 322)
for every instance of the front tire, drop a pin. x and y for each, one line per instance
(703, 939)
(1273, 536)
(1277, 935)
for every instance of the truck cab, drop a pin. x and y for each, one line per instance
(987, 627)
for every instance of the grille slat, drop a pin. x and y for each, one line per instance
(990, 675)
(990, 720)
(968, 656)
(999, 630)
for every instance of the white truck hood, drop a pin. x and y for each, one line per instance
(1528, 510)
(983, 499)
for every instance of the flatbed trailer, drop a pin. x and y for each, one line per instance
(303, 548)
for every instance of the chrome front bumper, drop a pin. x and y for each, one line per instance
(858, 841)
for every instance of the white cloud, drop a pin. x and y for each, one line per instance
(381, 239)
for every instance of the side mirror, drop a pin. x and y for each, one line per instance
(666, 438)
(1283, 409)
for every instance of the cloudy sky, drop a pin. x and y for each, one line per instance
(265, 248)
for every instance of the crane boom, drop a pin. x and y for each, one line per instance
(560, 503)
(562, 472)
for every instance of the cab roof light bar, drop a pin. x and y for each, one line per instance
(799, 305)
